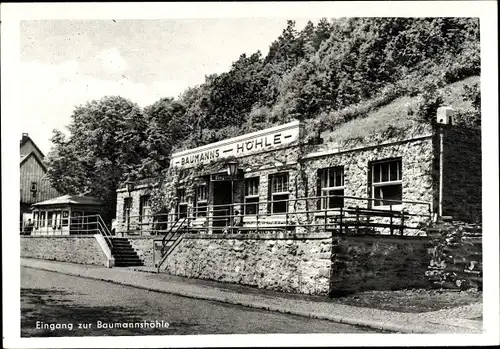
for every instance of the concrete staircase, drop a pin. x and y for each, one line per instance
(124, 254)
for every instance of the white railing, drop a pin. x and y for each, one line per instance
(310, 214)
(76, 225)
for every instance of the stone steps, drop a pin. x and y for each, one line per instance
(124, 254)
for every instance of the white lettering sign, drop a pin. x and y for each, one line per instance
(238, 146)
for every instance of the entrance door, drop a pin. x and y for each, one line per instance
(127, 207)
(222, 201)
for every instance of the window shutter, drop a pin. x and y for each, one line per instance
(195, 199)
(369, 181)
(269, 193)
(318, 188)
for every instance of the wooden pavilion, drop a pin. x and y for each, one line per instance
(66, 215)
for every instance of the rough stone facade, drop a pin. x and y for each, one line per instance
(135, 195)
(417, 173)
(306, 264)
(361, 263)
(457, 255)
(417, 160)
(74, 249)
(144, 248)
(281, 264)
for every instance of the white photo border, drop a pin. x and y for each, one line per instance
(12, 14)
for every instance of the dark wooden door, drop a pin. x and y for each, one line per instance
(222, 201)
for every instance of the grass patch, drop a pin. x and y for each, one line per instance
(394, 121)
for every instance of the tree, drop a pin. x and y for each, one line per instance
(288, 49)
(104, 148)
(314, 37)
(167, 126)
(233, 94)
(168, 117)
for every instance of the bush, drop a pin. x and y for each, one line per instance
(472, 93)
(429, 101)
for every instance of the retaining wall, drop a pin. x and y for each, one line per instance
(316, 264)
(378, 262)
(273, 261)
(143, 246)
(75, 249)
(457, 255)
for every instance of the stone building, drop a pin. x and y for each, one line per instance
(290, 209)
(285, 180)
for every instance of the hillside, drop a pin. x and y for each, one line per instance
(399, 119)
(323, 72)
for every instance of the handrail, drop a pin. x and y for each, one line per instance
(305, 212)
(305, 216)
(81, 225)
(171, 233)
(105, 231)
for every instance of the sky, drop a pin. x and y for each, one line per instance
(65, 63)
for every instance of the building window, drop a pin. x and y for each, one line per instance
(201, 200)
(127, 206)
(387, 185)
(42, 219)
(76, 219)
(279, 193)
(144, 208)
(65, 218)
(49, 219)
(251, 196)
(34, 188)
(181, 203)
(331, 181)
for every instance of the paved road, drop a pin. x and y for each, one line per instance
(49, 298)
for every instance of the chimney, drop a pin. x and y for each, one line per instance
(444, 115)
(25, 137)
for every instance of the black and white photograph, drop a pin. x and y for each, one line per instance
(250, 174)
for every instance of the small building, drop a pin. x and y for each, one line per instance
(282, 179)
(66, 215)
(34, 184)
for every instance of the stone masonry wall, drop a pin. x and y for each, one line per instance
(462, 185)
(144, 248)
(256, 165)
(305, 264)
(281, 264)
(417, 172)
(457, 255)
(417, 181)
(134, 210)
(380, 262)
(74, 249)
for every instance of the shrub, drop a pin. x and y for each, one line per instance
(428, 103)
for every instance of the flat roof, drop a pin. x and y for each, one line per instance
(71, 200)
